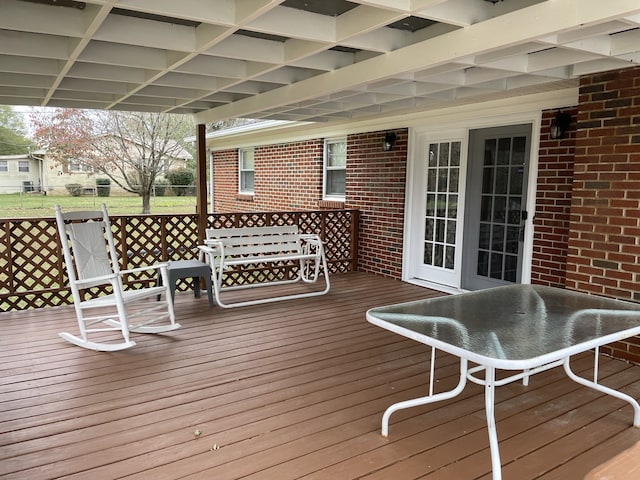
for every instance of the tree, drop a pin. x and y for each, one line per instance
(13, 140)
(131, 148)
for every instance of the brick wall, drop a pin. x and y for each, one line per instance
(553, 202)
(376, 186)
(289, 177)
(604, 243)
(226, 182)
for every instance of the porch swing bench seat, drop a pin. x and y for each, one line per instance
(233, 250)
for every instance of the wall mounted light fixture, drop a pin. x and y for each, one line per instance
(389, 141)
(559, 125)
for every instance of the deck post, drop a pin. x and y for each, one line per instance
(201, 180)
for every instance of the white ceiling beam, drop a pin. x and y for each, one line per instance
(295, 49)
(83, 85)
(103, 72)
(215, 66)
(625, 43)
(598, 45)
(147, 33)
(247, 48)
(94, 17)
(31, 66)
(125, 55)
(383, 40)
(35, 18)
(328, 61)
(556, 57)
(221, 12)
(290, 22)
(516, 27)
(34, 45)
(31, 81)
(175, 79)
(248, 10)
(458, 12)
(363, 19)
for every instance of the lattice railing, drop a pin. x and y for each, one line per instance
(32, 274)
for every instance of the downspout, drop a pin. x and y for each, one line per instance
(43, 186)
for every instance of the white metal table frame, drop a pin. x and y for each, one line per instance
(475, 337)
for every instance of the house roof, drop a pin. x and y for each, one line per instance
(304, 60)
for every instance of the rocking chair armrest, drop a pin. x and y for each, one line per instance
(93, 280)
(156, 266)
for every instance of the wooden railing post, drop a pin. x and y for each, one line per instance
(355, 229)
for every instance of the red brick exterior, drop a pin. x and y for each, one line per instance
(604, 241)
(605, 214)
(553, 202)
(376, 186)
(289, 177)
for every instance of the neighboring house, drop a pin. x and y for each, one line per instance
(467, 197)
(59, 174)
(21, 173)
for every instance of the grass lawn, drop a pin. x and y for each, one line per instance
(28, 205)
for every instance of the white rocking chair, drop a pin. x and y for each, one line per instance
(91, 260)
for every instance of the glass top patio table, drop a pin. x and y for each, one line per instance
(517, 327)
(513, 327)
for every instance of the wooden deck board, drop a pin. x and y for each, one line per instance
(290, 390)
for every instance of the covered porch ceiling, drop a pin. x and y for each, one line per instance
(304, 60)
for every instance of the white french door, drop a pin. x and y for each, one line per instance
(435, 234)
(467, 207)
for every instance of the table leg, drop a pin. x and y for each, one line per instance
(601, 388)
(489, 403)
(425, 400)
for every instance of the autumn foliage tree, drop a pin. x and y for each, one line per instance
(131, 148)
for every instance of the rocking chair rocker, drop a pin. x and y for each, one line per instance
(91, 260)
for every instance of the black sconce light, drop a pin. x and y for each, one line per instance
(389, 141)
(559, 125)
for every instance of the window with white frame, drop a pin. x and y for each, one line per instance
(335, 168)
(245, 170)
(23, 166)
(78, 166)
(4, 166)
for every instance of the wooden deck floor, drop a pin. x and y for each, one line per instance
(293, 390)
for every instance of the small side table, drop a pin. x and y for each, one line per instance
(194, 269)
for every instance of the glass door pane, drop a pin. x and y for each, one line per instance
(441, 204)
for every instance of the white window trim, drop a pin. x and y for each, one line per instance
(5, 166)
(241, 152)
(23, 163)
(325, 156)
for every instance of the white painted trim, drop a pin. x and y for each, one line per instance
(295, 132)
(414, 200)
(474, 119)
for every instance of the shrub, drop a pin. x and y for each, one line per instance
(74, 189)
(180, 180)
(103, 186)
(160, 187)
